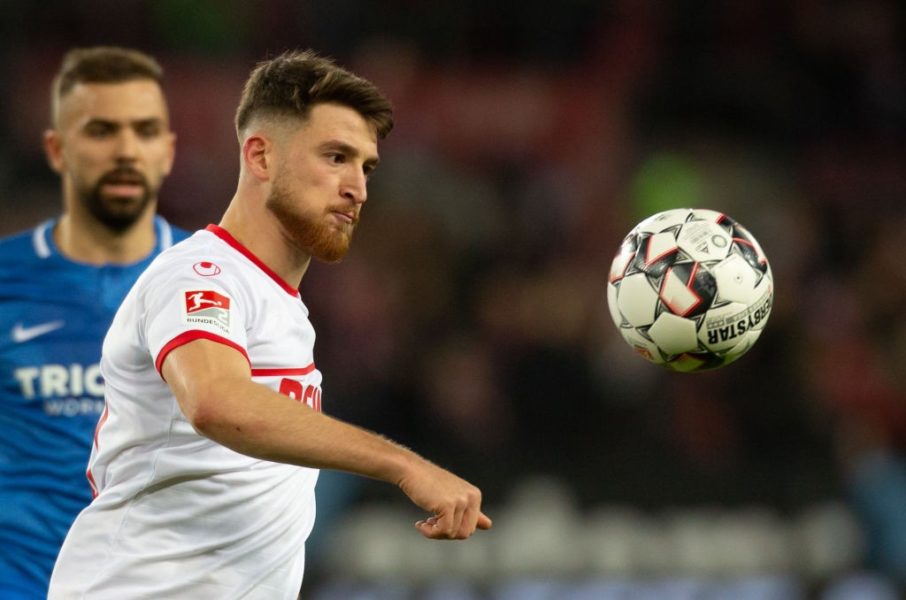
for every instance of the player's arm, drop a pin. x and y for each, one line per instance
(212, 383)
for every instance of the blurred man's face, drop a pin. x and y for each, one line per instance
(113, 146)
(321, 181)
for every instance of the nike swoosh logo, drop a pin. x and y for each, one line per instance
(22, 333)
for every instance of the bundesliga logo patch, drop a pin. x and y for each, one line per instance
(207, 307)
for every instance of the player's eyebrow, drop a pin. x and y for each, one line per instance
(131, 122)
(348, 150)
(101, 121)
(148, 121)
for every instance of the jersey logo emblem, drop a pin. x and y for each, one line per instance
(206, 268)
(21, 333)
(207, 307)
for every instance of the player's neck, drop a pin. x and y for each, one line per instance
(264, 239)
(82, 238)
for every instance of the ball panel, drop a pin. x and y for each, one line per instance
(658, 248)
(746, 245)
(725, 326)
(703, 241)
(642, 345)
(622, 260)
(673, 334)
(637, 300)
(736, 280)
(618, 319)
(676, 291)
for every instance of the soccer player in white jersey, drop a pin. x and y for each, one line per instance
(206, 457)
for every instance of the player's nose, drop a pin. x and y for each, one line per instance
(127, 145)
(354, 186)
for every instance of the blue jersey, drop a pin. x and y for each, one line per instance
(54, 314)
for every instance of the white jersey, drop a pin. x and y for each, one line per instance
(177, 515)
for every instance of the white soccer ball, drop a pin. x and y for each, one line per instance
(690, 289)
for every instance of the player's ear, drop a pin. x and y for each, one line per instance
(171, 152)
(257, 156)
(53, 149)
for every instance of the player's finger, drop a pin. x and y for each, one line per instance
(430, 528)
(421, 525)
(425, 529)
(460, 516)
(446, 524)
(467, 524)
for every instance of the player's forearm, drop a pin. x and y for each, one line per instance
(256, 421)
(214, 391)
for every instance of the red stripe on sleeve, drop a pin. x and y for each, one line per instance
(190, 336)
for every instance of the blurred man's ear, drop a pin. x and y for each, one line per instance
(53, 149)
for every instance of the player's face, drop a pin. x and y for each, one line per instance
(113, 146)
(321, 181)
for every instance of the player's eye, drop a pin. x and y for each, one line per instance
(148, 129)
(99, 130)
(337, 158)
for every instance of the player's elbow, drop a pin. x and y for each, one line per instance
(206, 407)
(220, 415)
(204, 418)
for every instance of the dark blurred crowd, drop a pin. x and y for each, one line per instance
(470, 320)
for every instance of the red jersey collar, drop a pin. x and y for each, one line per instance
(236, 245)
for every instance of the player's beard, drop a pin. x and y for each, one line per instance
(316, 238)
(117, 213)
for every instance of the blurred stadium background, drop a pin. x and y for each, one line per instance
(469, 321)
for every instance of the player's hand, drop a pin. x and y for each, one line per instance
(455, 504)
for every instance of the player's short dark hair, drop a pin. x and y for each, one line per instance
(292, 83)
(102, 64)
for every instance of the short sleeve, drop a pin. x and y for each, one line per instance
(183, 308)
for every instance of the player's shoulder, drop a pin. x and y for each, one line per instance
(192, 246)
(16, 242)
(27, 238)
(26, 246)
(200, 255)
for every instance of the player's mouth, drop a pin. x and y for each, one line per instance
(348, 216)
(124, 182)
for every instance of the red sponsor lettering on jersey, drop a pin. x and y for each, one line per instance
(306, 394)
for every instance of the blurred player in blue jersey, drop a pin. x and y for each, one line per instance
(60, 285)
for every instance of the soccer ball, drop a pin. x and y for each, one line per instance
(690, 289)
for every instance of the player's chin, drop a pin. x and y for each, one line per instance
(342, 232)
(334, 250)
(124, 206)
(332, 254)
(120, 216)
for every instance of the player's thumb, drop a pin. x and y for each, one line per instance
(484, 522)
